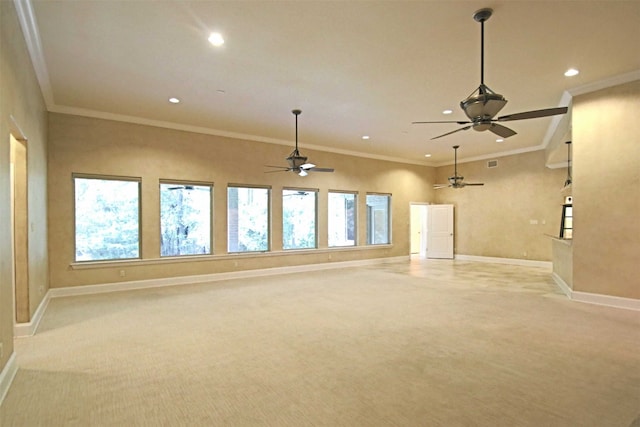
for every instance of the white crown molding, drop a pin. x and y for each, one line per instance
(31, 34)
(209, 131)
(565, 101)
(606, 83)
(29, 27)
(493, 156)
(7, 375)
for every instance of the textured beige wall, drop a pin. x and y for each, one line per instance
(495, 220)
(95, 146)
(606, 191)
(21, 98)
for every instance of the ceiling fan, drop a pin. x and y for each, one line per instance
(483, 104)
(455, 181)
(297, 162)
(189, 187)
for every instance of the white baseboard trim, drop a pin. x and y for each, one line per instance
(564, 287)
(608, 300)
(29, 328)
(598, 299)
(7, 375)
(204, 278)
(512, 261)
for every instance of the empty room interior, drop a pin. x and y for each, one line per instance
(314, 213)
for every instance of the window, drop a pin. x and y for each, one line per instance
(378, 219)
(107, 218)
(185, 219)
(247, 219)
(342, 219)
(299, 219)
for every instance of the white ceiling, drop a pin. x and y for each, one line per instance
(354, 67)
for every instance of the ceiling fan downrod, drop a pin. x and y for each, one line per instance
(481, 16)
(296, 112)
(569, 179)
(455, 160)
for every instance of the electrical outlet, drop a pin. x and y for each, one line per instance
(1, 351)
(122, 273)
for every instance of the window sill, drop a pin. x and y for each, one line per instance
(88, 265)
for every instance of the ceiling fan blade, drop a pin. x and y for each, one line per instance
(502, 131)
(320, 170)
(473, 183)
(449, 133)
(447, 121)
(281, 170)
(533, 114)
(439, 186)
(307, 166)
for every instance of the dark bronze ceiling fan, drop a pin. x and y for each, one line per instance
(297, 162)
(483, 104)
(456, 181)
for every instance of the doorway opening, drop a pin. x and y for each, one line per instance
(418, 229)
(431, 228)
(19, 228)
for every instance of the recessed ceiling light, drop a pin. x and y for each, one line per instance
(499, 140)
(216, 39)
(447, 111)
(365, 136)
(174, 100)
(427, 155)
(571, 72)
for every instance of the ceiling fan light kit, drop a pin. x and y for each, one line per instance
(483, 104)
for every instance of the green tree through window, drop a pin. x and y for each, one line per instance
(248, 219)
(106, 218)
(185, 219)
(299, 219)
(342, 219)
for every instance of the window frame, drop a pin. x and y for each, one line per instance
(369, 234)
(211, 213)
(355, 217)
(269, 216)
(316, 193)
(137, 180)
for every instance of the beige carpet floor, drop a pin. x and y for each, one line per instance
(420, 343)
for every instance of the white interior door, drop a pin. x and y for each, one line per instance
(440, 231)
